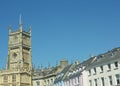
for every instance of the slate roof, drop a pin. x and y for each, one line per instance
(88, 62)
(61, 75)
(41, 72)
(108, 56)
(73, 73)
(55, 70)
(77, 69)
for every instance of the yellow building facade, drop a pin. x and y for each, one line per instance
(19, 66)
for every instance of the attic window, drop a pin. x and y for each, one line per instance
(100, 56)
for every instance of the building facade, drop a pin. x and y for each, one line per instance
(105, 71)
(42, 77)
(47, 76)
(19, 66)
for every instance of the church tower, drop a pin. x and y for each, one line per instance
(19, 49)
(19, 65)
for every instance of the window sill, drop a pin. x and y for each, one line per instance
(116, 68)
(117, 85)
(89, 75)
(109, 70)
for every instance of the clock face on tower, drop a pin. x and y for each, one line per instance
(14, 55)
(14, 59)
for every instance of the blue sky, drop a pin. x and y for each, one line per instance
(62, 29)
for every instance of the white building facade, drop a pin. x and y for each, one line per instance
(105, 71)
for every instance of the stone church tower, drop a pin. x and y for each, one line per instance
(19, 66)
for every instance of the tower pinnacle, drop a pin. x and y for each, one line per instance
(20, 22)
(10, 29)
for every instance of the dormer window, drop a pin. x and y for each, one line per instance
(73, 71)
(79, 69)
(112, 54)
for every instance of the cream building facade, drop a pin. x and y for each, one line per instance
(47, 76)
(19, 66)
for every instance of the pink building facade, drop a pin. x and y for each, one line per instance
(78, 75)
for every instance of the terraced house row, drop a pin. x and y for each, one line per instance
(101, 70)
